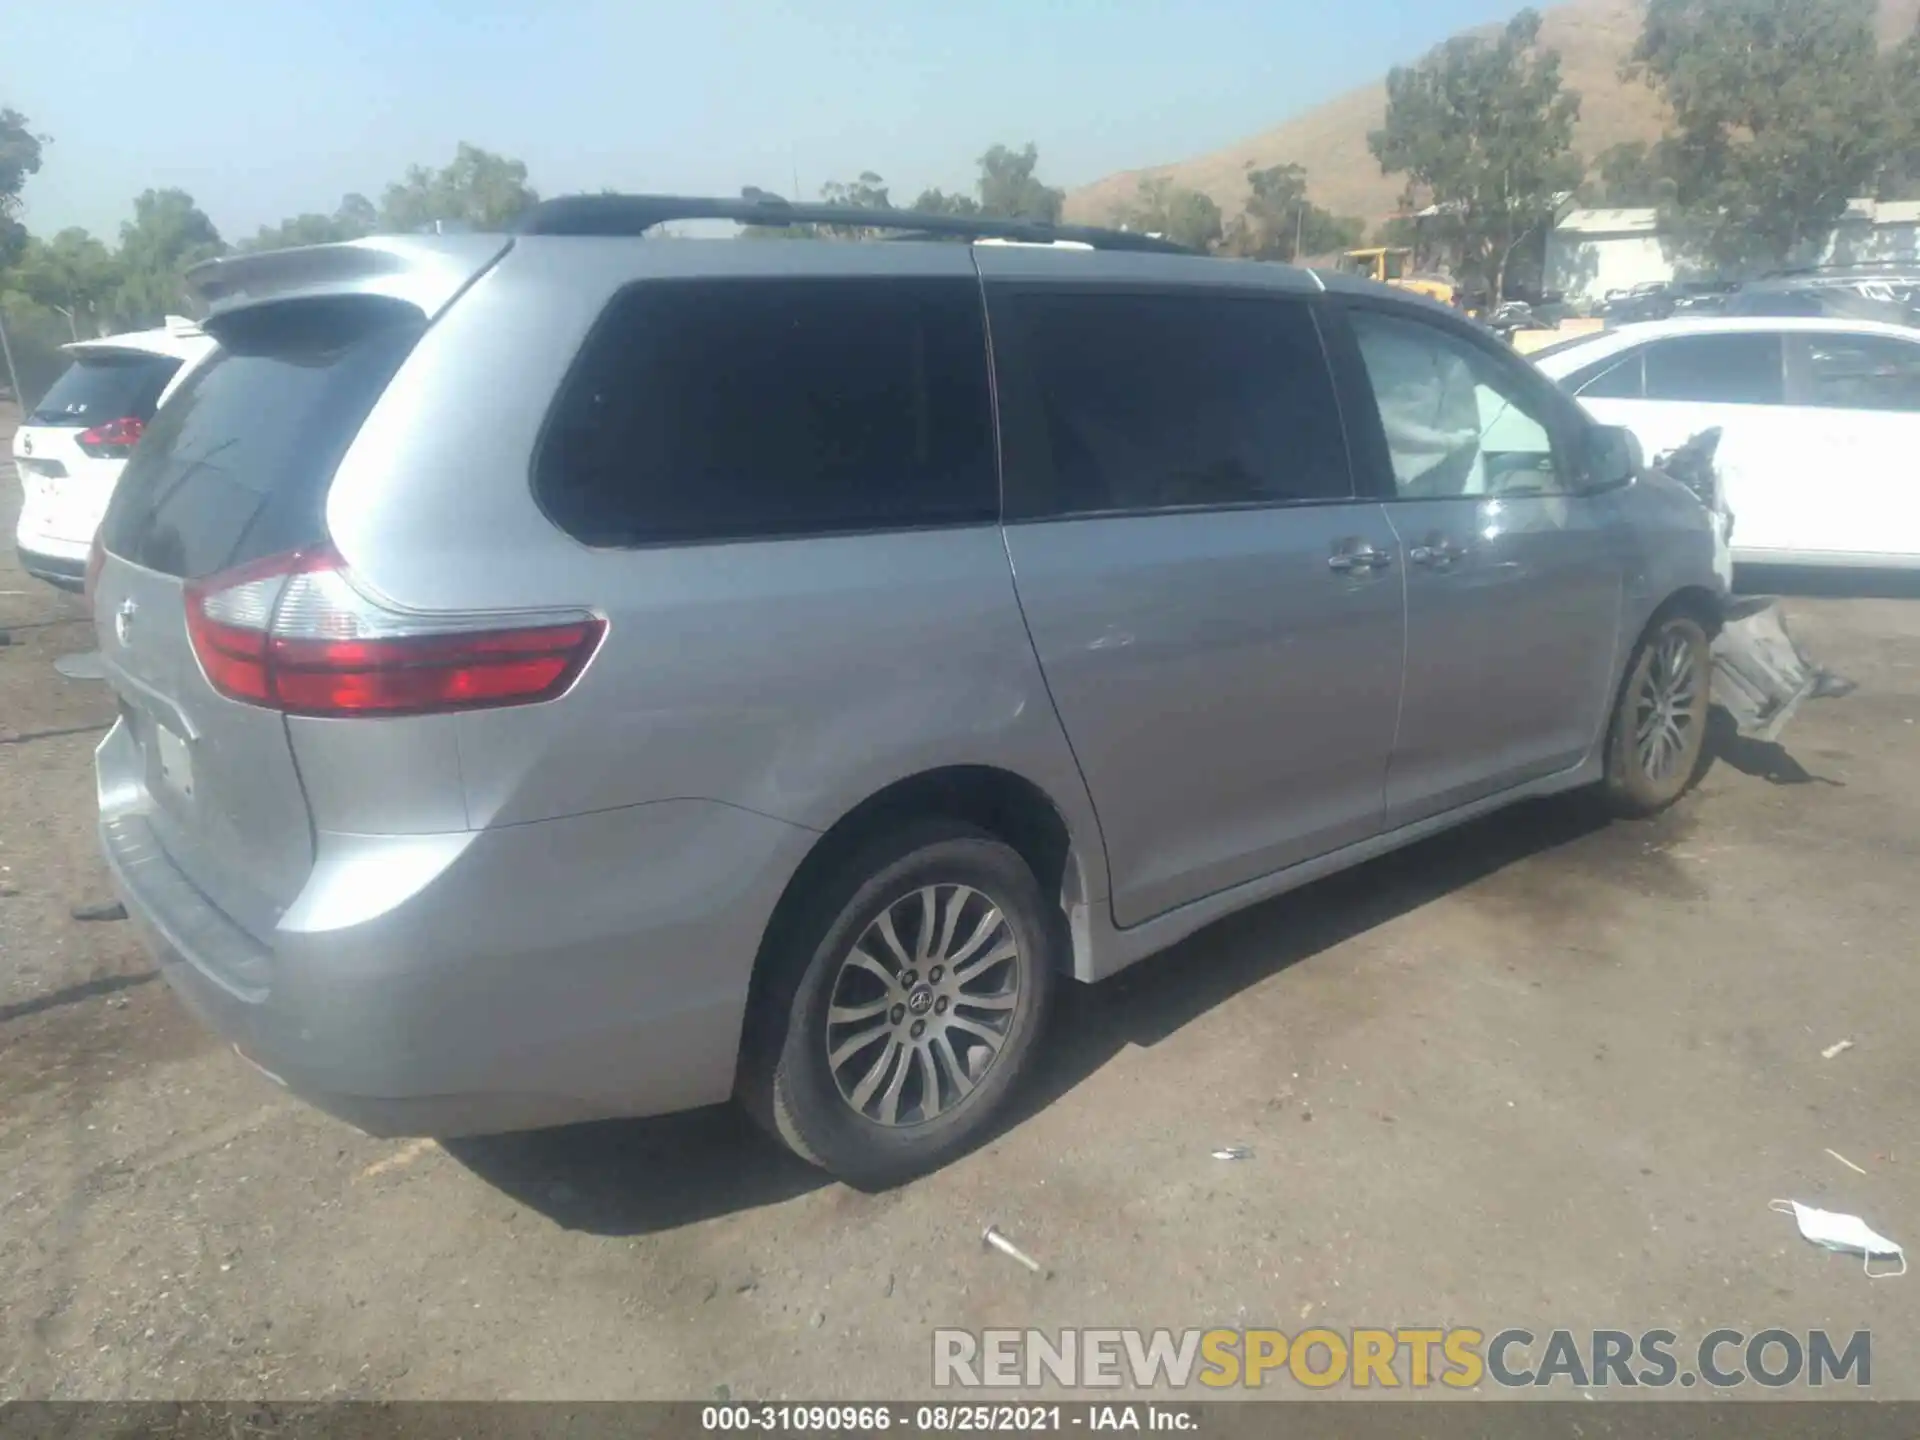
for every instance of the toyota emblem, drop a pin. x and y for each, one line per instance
(26, 444)
(123, 620)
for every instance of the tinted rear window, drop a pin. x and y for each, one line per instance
(1733, 369)
(99, 388)
(237, 465)
(1859, 372)
(1141, 402)
(711, 410)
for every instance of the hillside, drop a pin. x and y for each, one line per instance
(1593, 38)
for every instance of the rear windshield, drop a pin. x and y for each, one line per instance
(238, 464)
(99, 388)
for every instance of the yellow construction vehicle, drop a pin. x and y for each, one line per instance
(1388, 265)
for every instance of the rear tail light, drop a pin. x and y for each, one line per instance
(292, 633)
(115, 439)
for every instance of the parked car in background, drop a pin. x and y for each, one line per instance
(1820, 422)
(71, 447)
(566, 676)
(1821, 299)
(1662, 300)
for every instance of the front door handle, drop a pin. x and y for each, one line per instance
(1359, 557)
(1439, 552)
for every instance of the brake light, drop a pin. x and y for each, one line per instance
(292, 633)
(96, 557)
(115, 439)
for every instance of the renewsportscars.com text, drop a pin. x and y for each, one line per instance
(1403, 1358)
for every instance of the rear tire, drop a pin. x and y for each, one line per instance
(1659, 724)
(902, 1004)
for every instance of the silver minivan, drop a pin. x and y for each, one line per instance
(568, 674)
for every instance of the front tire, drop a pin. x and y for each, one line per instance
(1659, 723)
(903, 1005)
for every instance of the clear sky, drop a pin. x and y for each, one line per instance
(266, 108)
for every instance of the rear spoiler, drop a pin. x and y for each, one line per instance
(425, 271)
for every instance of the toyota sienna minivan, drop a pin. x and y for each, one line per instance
(565, 675)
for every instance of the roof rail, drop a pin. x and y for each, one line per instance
(636, 214)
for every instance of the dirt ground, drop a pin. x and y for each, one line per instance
(1542, 1072)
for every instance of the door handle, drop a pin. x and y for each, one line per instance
(1439, 552)
(1360, 557)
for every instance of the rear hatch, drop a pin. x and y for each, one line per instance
(70, 448)
(235, 469)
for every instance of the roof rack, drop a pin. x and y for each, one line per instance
(637, 214)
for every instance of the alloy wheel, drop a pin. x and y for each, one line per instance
(1665, 708)
(922, 1005)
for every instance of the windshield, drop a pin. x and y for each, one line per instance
(106, 386)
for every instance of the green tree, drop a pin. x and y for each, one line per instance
(356, 212)
(938, 202)
(167, 236)
(1281, 223)
(1632, 174)
(1400, 232)
(479, 190)
(354, 218)
(1186, 217)
(1782, 112)
(20, 150)
(1483, 128)
(868, 192)
(74, 275)
(1010, 188)
(1900, 176)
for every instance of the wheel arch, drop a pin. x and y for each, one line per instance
(1006, 805)
(1696, 602)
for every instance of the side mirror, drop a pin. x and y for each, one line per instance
(1613, 459)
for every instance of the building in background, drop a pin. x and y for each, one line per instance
(1592, 254)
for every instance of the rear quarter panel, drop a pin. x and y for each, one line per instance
(792, 678)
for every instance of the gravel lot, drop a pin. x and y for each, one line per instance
(1543, 1072)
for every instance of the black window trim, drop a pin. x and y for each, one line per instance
(1314, 303)
(1567, 424)
(1598, 370)
(605, 318)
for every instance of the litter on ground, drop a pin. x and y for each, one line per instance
(1847, 1234)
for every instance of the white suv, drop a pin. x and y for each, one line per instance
(71, 447)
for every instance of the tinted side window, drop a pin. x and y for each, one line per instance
(712, 410)
(1717, 369)
(1130, 402)
(1615, 378)
(236, 466)
(1860, 372)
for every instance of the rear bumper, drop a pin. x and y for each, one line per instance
(534, 975)
(68, 572)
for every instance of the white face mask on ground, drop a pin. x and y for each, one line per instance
(1846, 1233)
